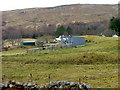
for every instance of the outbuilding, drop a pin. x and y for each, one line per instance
(72, 41)
(28, 43)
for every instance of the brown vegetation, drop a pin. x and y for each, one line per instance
(84, 19)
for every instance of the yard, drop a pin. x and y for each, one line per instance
(95, 64)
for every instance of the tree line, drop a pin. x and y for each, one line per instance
(77, 28)
(115, 25)
(61, 30)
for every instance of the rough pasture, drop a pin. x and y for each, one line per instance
(95, 63)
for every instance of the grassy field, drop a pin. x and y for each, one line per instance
(96, 63)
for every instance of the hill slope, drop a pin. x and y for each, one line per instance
(60, 14)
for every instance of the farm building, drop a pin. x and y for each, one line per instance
(28, 43)
(58, 39)
(66, 41)
(72, 41)
(115, 35)
(52, 45)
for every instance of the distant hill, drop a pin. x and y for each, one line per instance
(36, 18)
(61, 14)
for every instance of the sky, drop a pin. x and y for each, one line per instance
(21, 4)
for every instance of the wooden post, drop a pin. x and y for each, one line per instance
(31, 77)
(49, 79)
(79, 81)
(5, 80)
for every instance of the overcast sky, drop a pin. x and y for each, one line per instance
(21, 4)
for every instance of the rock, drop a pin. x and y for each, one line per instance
(53, 84)
(1, 85)
(10, 85)
(67, 83)
(79, 86)
(72, 83)
(29, 84)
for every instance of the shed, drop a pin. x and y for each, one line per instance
(72, 41)
(59, 38)
(28, 43)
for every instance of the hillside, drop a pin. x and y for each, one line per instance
(60, 14)
(84, 19)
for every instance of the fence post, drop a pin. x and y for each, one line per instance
(31, 77)
(5, 80)
(49, 78)
(79, 81)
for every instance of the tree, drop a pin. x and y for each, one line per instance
(69, 30)
(12, 34)
(34, 36)
(115, 24)
(60, 31)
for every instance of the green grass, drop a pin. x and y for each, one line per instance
(95, 63)
(101, 50)
(104, 75)
(14, 51)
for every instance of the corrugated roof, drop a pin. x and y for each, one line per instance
(28, 41)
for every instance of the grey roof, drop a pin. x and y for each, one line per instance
(28, 41)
